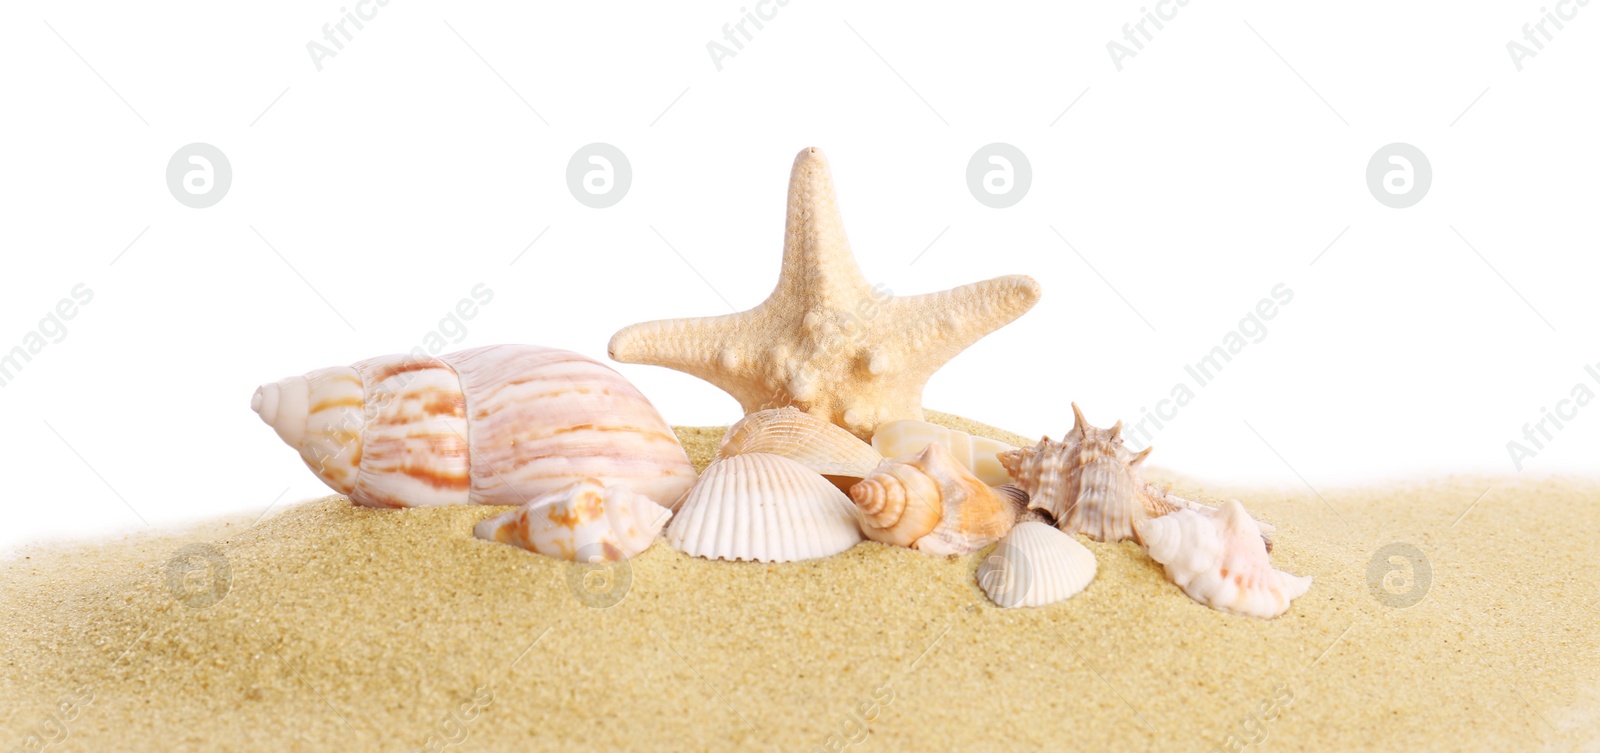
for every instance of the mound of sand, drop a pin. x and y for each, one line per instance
(345, 628)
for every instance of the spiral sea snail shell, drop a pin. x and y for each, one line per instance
(496, 425)
(932, 503)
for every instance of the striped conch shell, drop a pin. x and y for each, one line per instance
(930, 503)
(806, 439)
(978, 454)
(1089, 482)
(764, 508)
(497, 425)
(584, 521)
(1035, 565)
(1218, 558)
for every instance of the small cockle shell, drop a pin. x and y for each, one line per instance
(806, 439)
(931, 503)
(1035, 565)
(1218, 558)
(497, 425)
(765, 508)
(585, 521)
(978, 454)
(1089, 482)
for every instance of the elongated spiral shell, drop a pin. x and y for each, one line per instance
(806, 439)
(1035, 565)
(1089, 482)
(1218, 558)
(582, 522)
(978, 454)
(931, 503)
(765, 508)
(497, 425)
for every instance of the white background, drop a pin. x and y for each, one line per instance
(410, 169)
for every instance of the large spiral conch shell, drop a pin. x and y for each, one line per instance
(1089, 482)
(1218, 558)
(931, 503)
(1035, 565)
(497, 425)
(806, 439)
(765, 508)
(977, 454)
(582, 522)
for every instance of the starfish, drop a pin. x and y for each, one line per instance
(825, 341)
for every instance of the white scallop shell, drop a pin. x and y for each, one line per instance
(497, 425)
(977, 454)
(765, 508)
(585, 521)
(1218, 558)
(806, 439)
(1036, 565)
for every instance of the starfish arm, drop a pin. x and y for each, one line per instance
(940, 325)
(688, 345)
(712, 348)
(817, 261)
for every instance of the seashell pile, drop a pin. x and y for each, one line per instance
(824, 364)
(497, 425)
(977, 454)
(1089, 482)
(931, 503)
(765, 508)
(585, 521)
(1217, 556)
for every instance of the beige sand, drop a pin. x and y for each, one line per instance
(354, 629)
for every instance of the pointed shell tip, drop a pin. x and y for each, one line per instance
(257, 399)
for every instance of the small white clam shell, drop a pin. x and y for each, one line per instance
(585, 521)
(806, 439)
(977, 454)
(1219, 559)
(1036, 565)
(765, 508)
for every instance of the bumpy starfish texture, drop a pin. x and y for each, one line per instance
(826, 341)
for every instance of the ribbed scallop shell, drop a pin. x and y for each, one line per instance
(806, 439)
(1218, 558)
(582, 522)
(931, 503)
(1089, 482)
(1035, 565)
(497, 425)
(978, 454)
(765, 508)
